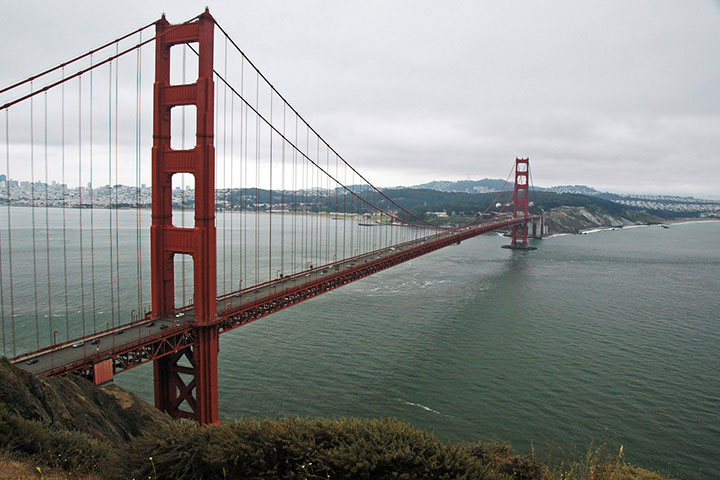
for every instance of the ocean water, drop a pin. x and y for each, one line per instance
(607, 337)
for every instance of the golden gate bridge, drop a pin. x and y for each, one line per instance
(276, 216)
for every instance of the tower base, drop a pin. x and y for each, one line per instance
(519, 246)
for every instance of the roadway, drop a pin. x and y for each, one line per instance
(108, 343)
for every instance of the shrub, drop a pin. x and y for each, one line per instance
(69, 450)
(500, 458)
(302, 449)
(3, 423)
(601, 463)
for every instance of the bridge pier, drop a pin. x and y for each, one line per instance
(186, 381)
(519, 246)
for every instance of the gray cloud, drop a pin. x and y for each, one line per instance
(617, 95)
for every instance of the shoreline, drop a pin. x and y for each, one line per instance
(668, 223)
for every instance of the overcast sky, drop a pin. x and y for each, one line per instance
(622, 96)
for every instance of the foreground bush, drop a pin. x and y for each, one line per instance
(302, 448)
(601, 463)
(69, 450)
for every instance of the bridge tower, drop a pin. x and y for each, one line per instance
(196, 399)
(521, 206)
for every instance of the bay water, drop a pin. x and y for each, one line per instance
(609, 337)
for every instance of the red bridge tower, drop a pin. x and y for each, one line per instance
(197, 399)
(521, 205)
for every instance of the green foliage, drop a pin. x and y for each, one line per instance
(600, 463)
(500, 458)
(3, 423)
(302, 449)
(69, 450)
(456, 204)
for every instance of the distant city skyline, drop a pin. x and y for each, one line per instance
(101, 184)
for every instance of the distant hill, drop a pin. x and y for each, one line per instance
(458, 207)
(496, 185)
(466, 186)
(577, 189)
(664, 205)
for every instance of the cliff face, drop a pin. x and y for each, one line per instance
(576, 219)
(72, 403)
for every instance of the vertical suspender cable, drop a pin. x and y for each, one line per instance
(245, 186)
(232, 192)
(9, 229)
(110, 199)
(80, 208)
(303, 203)
(47, 225)
(327, 207)
(232, 183)
(64, 205)
(216, 132)
(377, 236)
(117, 181)
(224, 217)
(270, 275)
(243, 174)
(317, 237)
(320, 198)
(2, 290)
(326, 197)
(257, 178)
(345, 212)
(306, 195)
(92, 208)
(138, 184)
(313, 199)
(282, 201)
(32, 212)
(375, 231)
(354, 222)
(295, 205)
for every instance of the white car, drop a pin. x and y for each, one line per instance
(78, 344)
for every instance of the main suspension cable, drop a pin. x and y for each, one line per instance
(79, 57)
(85, 70)
(320, 138)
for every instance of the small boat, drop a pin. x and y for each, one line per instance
(366, 224)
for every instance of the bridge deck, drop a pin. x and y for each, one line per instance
(130, 345)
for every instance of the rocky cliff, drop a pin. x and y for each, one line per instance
(576, 219)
